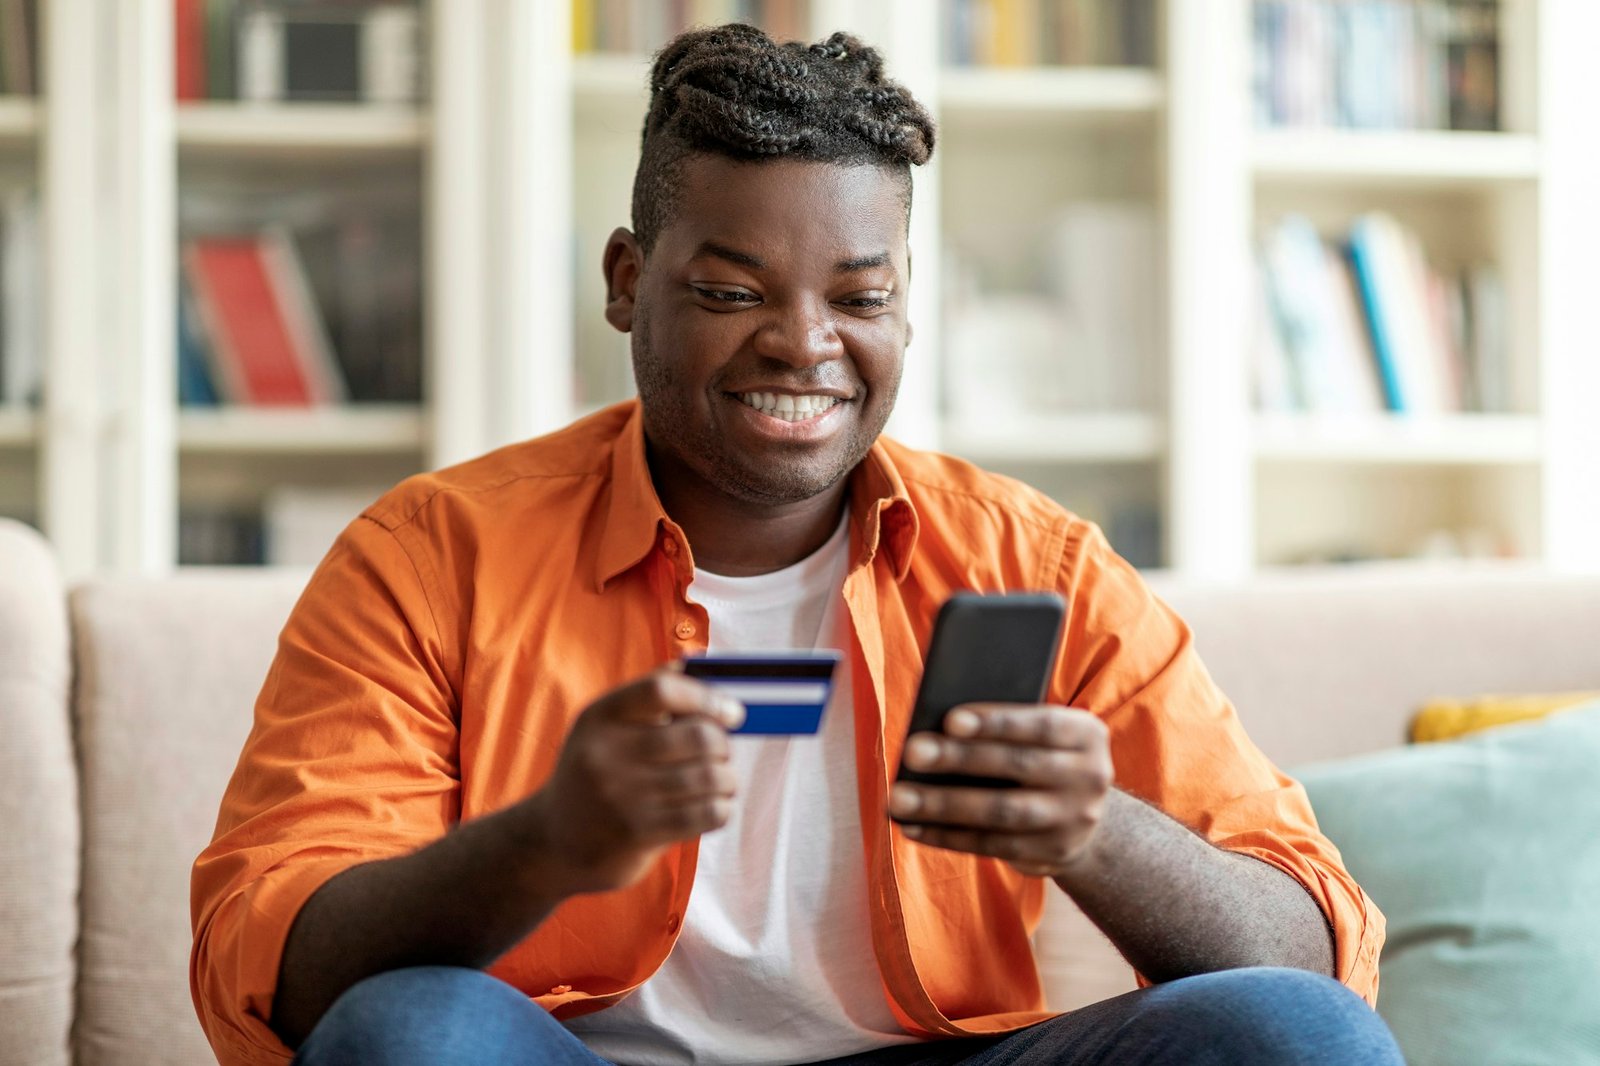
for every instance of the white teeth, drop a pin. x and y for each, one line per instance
(788, 407)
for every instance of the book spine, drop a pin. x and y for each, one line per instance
(195, 387)
(221, 77)
(189, 40)
(261, 56)
(302, 319)
(390, 55)
(1363, 258)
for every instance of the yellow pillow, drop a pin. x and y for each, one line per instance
(1448, 719)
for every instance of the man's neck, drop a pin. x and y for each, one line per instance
(738, 538)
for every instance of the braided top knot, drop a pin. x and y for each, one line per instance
(733, 91)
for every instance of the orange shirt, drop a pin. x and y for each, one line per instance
(441, 651)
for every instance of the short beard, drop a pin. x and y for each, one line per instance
(670, 424)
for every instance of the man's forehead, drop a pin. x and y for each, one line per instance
(855, 214)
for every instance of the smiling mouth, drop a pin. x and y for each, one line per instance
(786, 407)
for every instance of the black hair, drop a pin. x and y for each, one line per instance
(735, 92)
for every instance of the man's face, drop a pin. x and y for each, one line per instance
(769, 324)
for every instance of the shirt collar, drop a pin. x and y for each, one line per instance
(880, 510)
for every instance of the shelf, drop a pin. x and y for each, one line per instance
(1089, 94)
(306, 131)
(19, 427)
(1066, 437)
(378, 429)
(1393, 157)
(1443, 440)
(19, 120)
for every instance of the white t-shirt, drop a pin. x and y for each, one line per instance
(774, 963)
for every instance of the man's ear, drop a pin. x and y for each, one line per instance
(623, 263)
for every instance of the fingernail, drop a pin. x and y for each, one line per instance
(731, 711)
(922, 751)
(903, 800)
(961, 723)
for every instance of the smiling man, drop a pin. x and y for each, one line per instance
(484, 818)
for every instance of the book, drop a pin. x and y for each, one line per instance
(1319, 327)
(189, 48)
(221, 63)
(195, 387)
(267, 342)
(1376, 64)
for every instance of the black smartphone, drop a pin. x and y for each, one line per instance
(986, 648)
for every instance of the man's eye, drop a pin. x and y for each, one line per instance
(724, 295)
(867, 303)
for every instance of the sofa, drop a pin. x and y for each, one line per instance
(124, 703)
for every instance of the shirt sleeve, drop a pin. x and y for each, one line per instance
(353, 757)
(1177, 743)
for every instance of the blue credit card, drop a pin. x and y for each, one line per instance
(783, 693)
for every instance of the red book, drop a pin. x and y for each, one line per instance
(189, 48)
(252, 339)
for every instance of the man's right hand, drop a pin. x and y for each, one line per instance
(645, 765)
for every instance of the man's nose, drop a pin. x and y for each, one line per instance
(800, 332)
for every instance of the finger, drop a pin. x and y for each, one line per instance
(668, 694)
(1036, 854)
(1010, 809)
(1027, 764)
(684, 740)
(685, 782)
(1045, 725)
(680, 821)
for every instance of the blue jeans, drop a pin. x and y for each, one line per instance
(443, 1016)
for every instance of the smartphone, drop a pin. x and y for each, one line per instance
(986, 648)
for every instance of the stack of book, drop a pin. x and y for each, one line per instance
(1365, 325)
(1377, 64)
(357, 51)
(643, 26)
(1024, 33)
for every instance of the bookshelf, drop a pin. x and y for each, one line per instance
(518, 163)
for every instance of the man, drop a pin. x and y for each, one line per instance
(478, 793)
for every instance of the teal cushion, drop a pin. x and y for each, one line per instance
(1484, 855)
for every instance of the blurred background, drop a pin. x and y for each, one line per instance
(1250, 283)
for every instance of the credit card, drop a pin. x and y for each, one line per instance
(783, 693)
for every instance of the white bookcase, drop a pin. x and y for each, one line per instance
(522, 160)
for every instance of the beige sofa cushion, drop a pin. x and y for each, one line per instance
(168, 673)
(38, 807)
(1329, 663)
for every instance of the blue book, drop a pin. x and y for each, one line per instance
(195, 387)
(1363, 258)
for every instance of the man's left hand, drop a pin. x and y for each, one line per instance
(1060, 759)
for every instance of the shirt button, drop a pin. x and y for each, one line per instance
(670, 546)
(685, 630)
(673, 923)
(560, 990)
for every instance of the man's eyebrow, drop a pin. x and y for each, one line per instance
(861, 262)
(722, 251)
